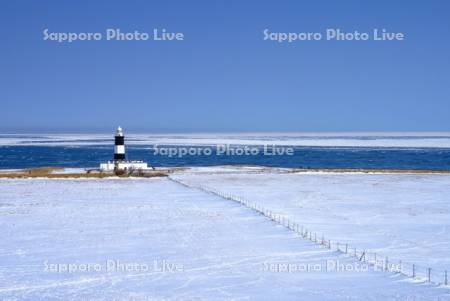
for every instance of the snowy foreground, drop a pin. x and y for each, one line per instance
(403, 216)
(154, 239)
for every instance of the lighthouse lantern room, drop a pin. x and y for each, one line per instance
(119, 162)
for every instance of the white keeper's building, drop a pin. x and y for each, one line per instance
(119, 162)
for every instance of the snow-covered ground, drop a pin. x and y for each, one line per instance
(153, 239)
(403, 216)
(69, 171)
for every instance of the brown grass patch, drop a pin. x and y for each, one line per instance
(46, 172)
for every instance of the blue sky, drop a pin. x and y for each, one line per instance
(224, 77)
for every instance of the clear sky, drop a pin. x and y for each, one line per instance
(224, 77)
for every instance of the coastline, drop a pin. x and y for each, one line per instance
(58, 173)
(61, 173)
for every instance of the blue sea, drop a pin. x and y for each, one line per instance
(38, 151)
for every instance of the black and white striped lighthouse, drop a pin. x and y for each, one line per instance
(119, 145)
(120, 163)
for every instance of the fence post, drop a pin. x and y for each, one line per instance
(414, 271)
(386, 267)
(445, 278)
(337, 246)
(355, 251)
(429, 274)
(315, 237)
(400, 266)
(375, 256)
(346, 248)
(329, 244)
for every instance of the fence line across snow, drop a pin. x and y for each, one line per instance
(377, 261)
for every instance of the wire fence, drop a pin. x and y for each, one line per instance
(375, 260)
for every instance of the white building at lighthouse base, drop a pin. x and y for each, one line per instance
(125, 165)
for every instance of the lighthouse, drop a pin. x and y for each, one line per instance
(119, 145)
(119, 162)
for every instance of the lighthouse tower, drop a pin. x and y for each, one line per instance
(119, 163)
(119, 145)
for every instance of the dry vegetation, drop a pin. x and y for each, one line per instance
(47, 172)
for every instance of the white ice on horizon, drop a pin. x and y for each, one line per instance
(394, 140)
(221, 247)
